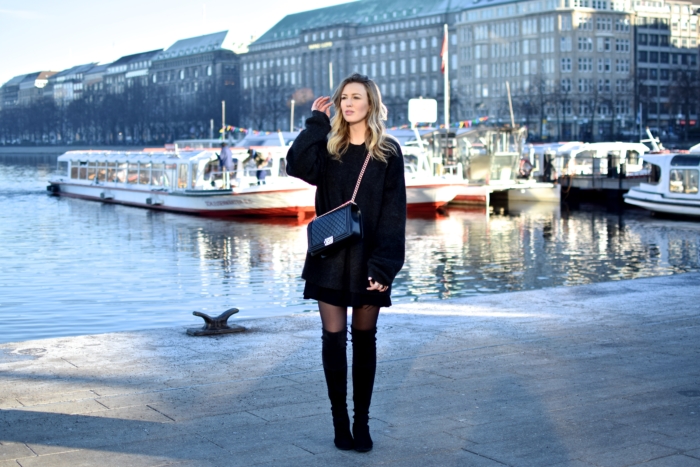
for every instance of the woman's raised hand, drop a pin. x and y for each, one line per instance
(322, 104)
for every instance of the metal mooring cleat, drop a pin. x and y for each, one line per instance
(216, 326)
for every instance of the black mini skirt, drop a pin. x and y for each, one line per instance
(345, 298)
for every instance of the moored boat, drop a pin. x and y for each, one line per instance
(187, 181)
(425, 191)
(673, 185)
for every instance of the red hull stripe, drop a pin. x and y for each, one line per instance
(292, 211)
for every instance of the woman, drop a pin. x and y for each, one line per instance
(329, 153)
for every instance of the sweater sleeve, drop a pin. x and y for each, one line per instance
(387, 258)
(307, 156)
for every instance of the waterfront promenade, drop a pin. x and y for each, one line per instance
(599, 375)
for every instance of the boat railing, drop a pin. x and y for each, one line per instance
(216, 180)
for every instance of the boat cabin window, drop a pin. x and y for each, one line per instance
(182, 176)
(683, 181)
(74, 169)
(132, 173)
(632, 157)
(102, 172)
(144, 173)
(63, 168)
(121, 172)
(692, 161)
(654, 173)
(82, 173)
(158, 175)
(92, 170)
(170, 175)
(111, 171)
(194, 174)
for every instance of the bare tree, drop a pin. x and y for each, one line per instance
(684, 96)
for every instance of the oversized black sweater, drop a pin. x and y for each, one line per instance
(381, 199)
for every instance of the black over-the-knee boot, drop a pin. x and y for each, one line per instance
(364, 366)
(335, 367)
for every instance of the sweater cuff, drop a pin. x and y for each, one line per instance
(378, 275)
(317, 114)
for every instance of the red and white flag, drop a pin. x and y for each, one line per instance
(443, 54)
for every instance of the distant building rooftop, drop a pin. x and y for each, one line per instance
(195, 45)
(71, 72)
(125, 62)
(367, 12)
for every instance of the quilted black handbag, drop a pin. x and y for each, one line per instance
(338, 228)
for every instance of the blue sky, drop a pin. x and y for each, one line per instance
(57, 34)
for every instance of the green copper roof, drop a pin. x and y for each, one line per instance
(362, 12)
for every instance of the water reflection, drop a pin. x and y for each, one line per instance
(75, 267)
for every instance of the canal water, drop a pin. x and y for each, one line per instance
(71, 267)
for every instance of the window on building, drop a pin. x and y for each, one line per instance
(565, 44)
(566, 85)
(565, 65)
(584, 44)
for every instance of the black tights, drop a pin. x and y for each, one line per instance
(335, 318)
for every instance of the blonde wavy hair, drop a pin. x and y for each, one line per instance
(376, 139)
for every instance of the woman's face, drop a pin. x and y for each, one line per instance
(354, 103)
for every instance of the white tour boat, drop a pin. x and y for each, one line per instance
(187, 181)
(424, 191)
(673, 184)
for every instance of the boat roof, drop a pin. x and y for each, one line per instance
(611, 145)
(664, 160)
(158, 157)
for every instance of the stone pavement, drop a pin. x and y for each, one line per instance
(597, 375)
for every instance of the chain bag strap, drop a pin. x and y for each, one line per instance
(339, 227)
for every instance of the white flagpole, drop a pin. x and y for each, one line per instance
(447, 80)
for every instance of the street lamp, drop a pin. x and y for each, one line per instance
(291, 118)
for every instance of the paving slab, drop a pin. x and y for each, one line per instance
(595, 375)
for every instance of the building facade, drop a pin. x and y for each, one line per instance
(199, 73)
(305, 55)
(128, 70)
(67, 86)
(576, 69)
(667, 64)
